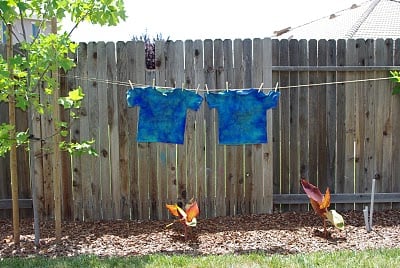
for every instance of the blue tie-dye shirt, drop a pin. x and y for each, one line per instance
(242, 114)
(162, 114)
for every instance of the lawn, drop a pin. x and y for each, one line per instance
(344, 258)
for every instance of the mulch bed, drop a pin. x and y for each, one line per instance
(277, 233)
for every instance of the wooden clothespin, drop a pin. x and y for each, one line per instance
(130, 83)
(154, 83)
(260, 88)
(183, 85)
(227, 86)
(276, 86)
(197, 89)
(206, 88)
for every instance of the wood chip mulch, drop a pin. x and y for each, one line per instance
(277, 233)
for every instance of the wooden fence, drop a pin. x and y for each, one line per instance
(336, 124)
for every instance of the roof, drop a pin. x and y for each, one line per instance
(370, 19)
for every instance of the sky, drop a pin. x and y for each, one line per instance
(209, 19)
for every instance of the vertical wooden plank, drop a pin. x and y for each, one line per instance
(257, 171)
(383, 134)
(350, 124)
(103, 140)
(172, 157)
(76, 132)
(313, 114)
(210, 139)
(331, 118)
(303, 116)
(368, 168)
(112, 110)
(190, 131)
(219, 160)
(294, 170)
(86, 163)
(93, 117)
(275, 138)
(66, 84)
(284, 104)
(396, 129)
(340, 125)
(163, 170)
(361, 101)
(322, 112)
(121, 184)
(135, 66)
(182, 160)
(200, 127)
(246, 175)
(24, 187)
(47, 132)
(5, 183)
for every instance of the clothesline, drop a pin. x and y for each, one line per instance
(132, 84)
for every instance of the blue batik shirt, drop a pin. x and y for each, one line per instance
(242, 114)
(162, 114)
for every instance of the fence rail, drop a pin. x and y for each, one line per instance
(339, 129)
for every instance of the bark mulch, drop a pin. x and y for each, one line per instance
(277, 233)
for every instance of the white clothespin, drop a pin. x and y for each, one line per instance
(227, 86)
(276, 86)
(197, 89)
(206, 88)
(130, 83)
(183, 85)
(260, 88)
(154, 83)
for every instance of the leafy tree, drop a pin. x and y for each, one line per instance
(31, 73)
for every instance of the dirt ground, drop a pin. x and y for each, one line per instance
(283, 233)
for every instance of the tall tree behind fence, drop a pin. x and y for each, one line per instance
(336, 125)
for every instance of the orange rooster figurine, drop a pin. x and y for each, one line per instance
(187, 217)
(320, 205)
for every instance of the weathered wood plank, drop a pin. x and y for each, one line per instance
(275, 134)
(93, 163)
(210, 139)
(322, 115)
(396, 129)
(303, 115)
(199, 80)
(103, 136)
(384, 133)
(350, 124)
(22, 203)
(219, 161)
(125, 60)
(341, 115)
(359, 198)
(313, 115)
(331, 117)
(360, 113)
(294, 178)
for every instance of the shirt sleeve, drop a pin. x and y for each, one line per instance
(134, 96)
(212, 100)
(194, 100)
(271, 99)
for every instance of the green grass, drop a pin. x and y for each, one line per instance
(368, 258)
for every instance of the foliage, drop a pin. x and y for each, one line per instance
(149, 48)
(337, 259)
(27, 76)
(395, 77)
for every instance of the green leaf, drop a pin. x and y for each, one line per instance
(76, 95)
